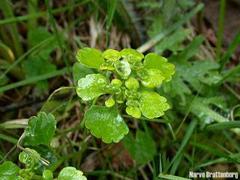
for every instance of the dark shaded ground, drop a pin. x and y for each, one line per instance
(232, 18)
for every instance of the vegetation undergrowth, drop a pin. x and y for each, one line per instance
(116, 90)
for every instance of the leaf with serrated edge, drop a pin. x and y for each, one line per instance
(92, 86)
(131, 55)
(155, 61)
(40, 129)
(152, 105)
(90, 57)
(72, 173)
(80, 71)
(105, 123)
(154, 78)
(133, 111)
(111, 55)
(142, 141)
(29, 158)
(9, 171)
(123, 68)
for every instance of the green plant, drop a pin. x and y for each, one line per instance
(36, 166)
(128, 81)
(198, 133)
(10, 171)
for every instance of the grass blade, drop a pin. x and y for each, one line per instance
(30, 51)
(219, 160)
(220, 28)
(33, 80)
(111, 8)
(15, 36)
(229, 73)
(39, 14)
(216, 152)
(32, 9)
(8, 138)
(171, 177)
(234, 44)
(223, 126)
(185, 140)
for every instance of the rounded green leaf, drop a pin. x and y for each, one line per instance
(108, 65)
(116, 83)
(47, 174)
(9, 171)
(132, 83)
(111, 55)
(110, 102)
(133, 111)
(90, 57)
(71, 173)
(105, 123)
(26, 174)
(131, 95)
(115, 86)
(123, 68)
(40, 129)
(155, 61)
(152, 105)
(133, 101)
(92, 86)
(80, 71)
(153, 78)
(29, 158)
(131, 55)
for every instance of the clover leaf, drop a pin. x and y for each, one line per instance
(155, 61)
(72, 173)
(40, 129)
(9, 171)
(90, 57)
(92, 86)
(152, 105)
(105, 123)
